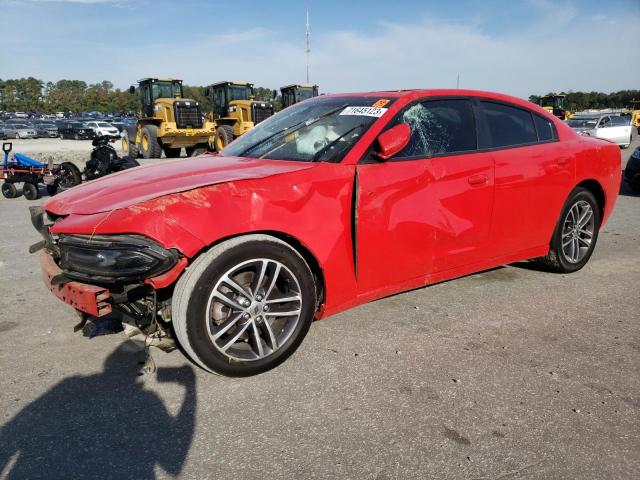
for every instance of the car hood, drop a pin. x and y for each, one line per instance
(124, 189)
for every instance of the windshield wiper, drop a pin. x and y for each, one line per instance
(329, 145)
(290, 130)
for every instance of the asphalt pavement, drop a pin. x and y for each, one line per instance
(511, 373)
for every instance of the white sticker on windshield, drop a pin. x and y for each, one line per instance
(364, 111)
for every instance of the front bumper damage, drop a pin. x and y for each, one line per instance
(138, 299)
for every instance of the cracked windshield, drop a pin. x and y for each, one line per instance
(320, 130)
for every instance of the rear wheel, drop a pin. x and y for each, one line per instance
(223, 137)
(244, 306)
(151, 148)
(575, 235)
(129, 145)
(196, 150)
(30, 191)
(9, 190)
(171, 152)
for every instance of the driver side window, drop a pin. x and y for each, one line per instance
(604, 122)
(438, 127)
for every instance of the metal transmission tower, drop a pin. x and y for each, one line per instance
(308, 35)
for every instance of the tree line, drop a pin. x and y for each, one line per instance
(577, 101)
(34, 95)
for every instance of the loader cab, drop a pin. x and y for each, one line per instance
(292, 94)
(555, 104)
(222, 94)
(152, 89)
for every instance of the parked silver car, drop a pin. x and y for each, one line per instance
(616, 128)
(19, 130)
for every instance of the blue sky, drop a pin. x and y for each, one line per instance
(517, 47)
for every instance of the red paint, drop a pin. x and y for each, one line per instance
(418, 222)
(86, 298)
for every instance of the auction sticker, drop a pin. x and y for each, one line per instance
(364, 111)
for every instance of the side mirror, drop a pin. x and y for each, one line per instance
(393, 141)
(132, 89)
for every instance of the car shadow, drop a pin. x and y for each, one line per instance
(106, 425)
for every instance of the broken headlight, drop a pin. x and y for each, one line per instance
(113, 258)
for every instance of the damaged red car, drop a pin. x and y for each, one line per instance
(335, 201)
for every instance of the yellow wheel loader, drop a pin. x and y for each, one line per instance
(292, 94)
(234, 111)
(168, 122)
(634, 107)
(554, 103)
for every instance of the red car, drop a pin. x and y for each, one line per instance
(333, 202)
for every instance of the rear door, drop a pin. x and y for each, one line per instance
(533, 175)
(620, 130)
(429, 208)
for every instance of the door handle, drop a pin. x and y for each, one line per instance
(562, 161)
(479, 179)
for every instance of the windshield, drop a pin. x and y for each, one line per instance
(239, 93)
(104, 125)
(323, 129)
(585, 122)
(305, 93)
(166, 90)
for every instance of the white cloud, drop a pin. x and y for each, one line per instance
(562, 50)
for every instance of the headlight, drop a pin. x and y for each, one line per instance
(112, 258)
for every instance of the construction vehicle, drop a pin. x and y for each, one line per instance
(294, 93)
(234, 111)
(554, 103)
(168, 122)
(634, 107)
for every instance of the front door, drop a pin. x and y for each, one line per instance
(429, 208)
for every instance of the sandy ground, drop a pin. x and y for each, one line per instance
(509, 373)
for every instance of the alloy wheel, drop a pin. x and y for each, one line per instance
(577, 231)
(253, 309)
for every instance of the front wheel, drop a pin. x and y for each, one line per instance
(575, 235)
(244, 306)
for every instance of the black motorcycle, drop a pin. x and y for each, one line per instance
(104, 160)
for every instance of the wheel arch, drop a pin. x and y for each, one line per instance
(296, 244)
(596, 189)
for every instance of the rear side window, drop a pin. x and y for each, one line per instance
(545, 128)
(619, 121)
(439, 127)
(506, 126)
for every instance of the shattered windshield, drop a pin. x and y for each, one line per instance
(322, 129)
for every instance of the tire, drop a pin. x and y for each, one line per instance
(223, 137)
(52, 189)
(9, 190)
(30, 191)
(193, 294)
(171, 152)
(196, 150)
(150, 141)
(559, 259)
(68, 176)
(130, 147)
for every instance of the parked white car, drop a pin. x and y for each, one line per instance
(103, 128)
(616, 128)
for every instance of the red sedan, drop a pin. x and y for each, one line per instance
(331, 203)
